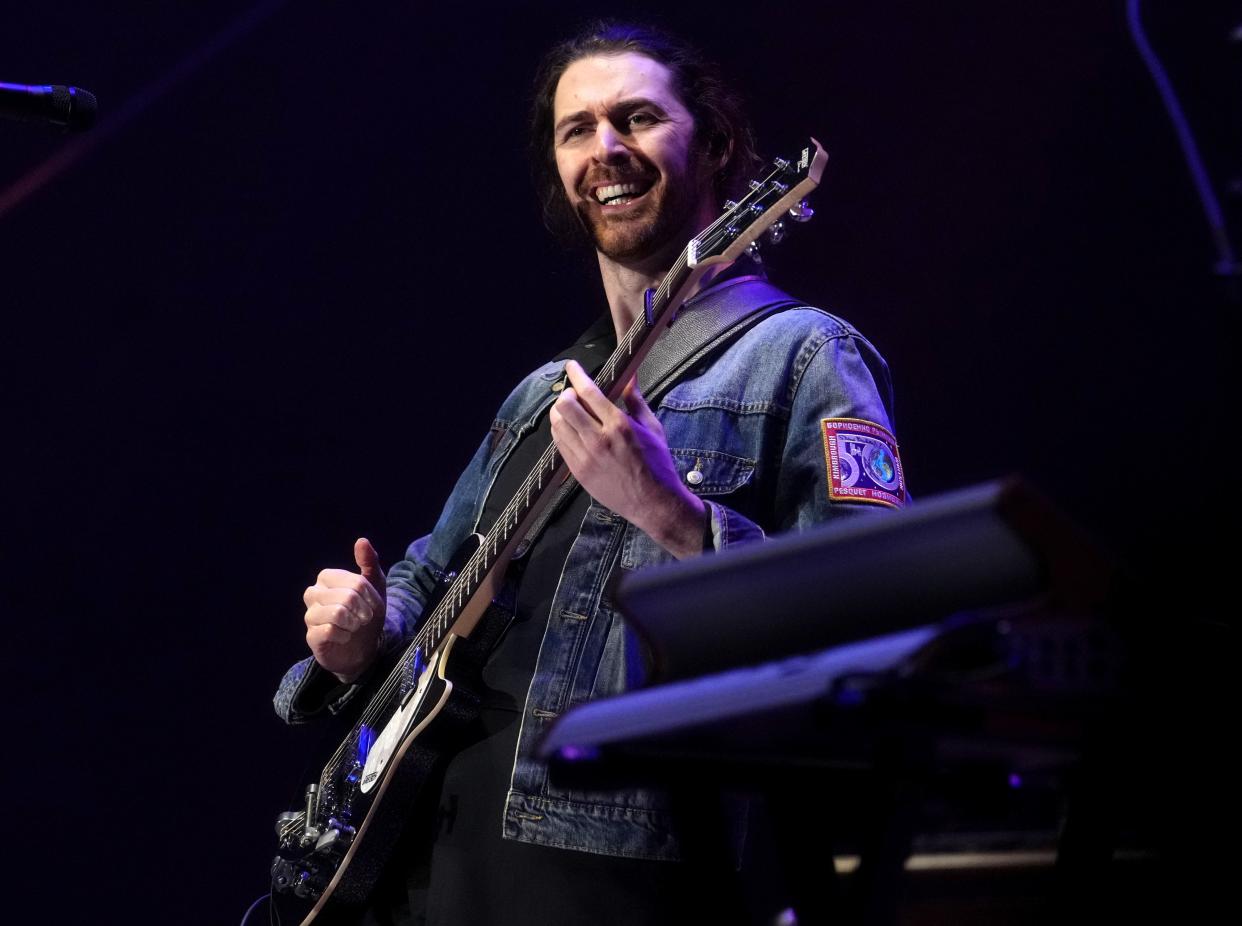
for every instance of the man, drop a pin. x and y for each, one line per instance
(643, 143)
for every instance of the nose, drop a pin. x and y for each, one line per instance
(609, 145)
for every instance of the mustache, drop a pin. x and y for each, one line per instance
(605, 176)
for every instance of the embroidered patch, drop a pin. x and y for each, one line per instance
(863, 464)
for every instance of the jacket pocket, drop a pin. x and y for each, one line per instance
(712, 473)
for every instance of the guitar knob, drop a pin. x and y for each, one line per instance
(802, 212)
(777, 232)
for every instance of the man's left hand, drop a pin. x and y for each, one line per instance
(622, 459)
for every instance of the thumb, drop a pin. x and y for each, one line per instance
(637, 406)
(368, 562)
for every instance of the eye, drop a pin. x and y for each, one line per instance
(641, 118)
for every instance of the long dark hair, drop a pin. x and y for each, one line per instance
(719, 118)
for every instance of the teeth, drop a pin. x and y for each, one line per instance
(615, 190)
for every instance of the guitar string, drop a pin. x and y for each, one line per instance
(438, 624)
(507, 520)
(711, 237)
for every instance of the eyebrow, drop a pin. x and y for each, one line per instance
(630, 103)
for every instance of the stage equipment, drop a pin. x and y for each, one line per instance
(889, 684)
(71, 108)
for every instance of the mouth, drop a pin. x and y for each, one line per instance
(614, 195)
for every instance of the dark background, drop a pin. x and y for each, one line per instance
(271, 302)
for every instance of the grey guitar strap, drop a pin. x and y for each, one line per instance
(704, 325)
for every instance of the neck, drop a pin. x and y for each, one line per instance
(625, 286)
(626, 282)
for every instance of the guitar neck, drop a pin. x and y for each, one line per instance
(478, 582)
(323, 844)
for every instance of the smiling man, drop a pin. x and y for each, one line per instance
(629, 160)
(637, 142)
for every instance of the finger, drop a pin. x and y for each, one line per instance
(325, 594)
(369, 565)
(569, 407)
(638, 408)
(594, 401)
(337, 578)
(343, 578)
(329, 589)
(335, 614)
(368, 562)
(568, 441)
(347, 598)
(324, 634)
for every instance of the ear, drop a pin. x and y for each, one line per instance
(716, 156)
(720, 151)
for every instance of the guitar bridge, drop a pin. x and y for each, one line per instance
(309, 851)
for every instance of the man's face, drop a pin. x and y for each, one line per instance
(625, 151)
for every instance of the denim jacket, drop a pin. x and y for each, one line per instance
(746, 433)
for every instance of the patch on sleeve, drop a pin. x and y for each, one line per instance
(863, 464)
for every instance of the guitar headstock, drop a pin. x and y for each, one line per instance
(777, 196)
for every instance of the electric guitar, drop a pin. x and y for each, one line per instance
(333, 849)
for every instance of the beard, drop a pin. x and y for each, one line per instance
(661, 220)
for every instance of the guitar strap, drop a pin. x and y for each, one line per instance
(705, 325)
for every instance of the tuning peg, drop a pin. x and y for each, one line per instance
(776, 233)
(752, 251)
(801, 212)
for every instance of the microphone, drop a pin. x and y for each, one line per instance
(69, 107)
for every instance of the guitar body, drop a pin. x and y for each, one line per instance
(428, 725)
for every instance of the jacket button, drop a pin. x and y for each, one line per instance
(558, 385)
(694, 477)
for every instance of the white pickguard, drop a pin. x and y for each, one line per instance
(394, 731)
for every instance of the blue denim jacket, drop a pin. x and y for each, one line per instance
(749, 423)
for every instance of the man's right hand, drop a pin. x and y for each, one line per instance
(345, 614)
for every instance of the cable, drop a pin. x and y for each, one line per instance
(1226, 262)
(253, 906)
